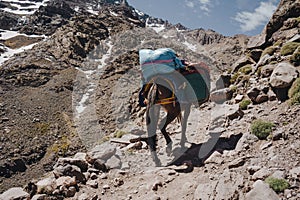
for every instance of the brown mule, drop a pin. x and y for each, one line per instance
(159, 95)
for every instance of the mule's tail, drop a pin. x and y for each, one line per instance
(152, 95)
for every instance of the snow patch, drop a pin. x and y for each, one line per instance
(192, 47)
(113, 13)
(156, 27)
(89, 75)
(92, 11)
(11, 52)
(6, 34)
(21, 9)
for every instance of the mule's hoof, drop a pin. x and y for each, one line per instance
(169, 149)
(158, 164)
(155, 159)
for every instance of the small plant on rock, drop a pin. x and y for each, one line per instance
(261, 129)
(119, 133)
(269, 50)
(278, 185)
(295, 58)
(294, 92)
(289, 48)
(234, 77)
(247, 69)
(244, 104)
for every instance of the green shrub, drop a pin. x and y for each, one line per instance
(295, 58)
(258, 71)
(294, 92)
(233, 88)
(278, 185)
(295, 100)
(278, 43)
(289, 48)
(104, 139)
(244, 104)
(234, 77)
(119, 133)
(42, 127)
(261, 129)
(297, 19)
(247, 69)
(61, 147)
(269, 50)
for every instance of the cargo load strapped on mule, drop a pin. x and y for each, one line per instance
(198, 76)
(190, 82)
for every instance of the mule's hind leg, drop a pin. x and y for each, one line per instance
(152, 121)
(187, 110)
(163, 125)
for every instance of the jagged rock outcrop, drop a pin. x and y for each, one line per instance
(205, 37)
(283, 24)
(8, 20)
(36, 91)
(47, 19)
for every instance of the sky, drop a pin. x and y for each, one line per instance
(228, 17)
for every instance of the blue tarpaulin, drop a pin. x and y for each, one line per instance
(159, 61)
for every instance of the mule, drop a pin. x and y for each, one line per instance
(160, 95)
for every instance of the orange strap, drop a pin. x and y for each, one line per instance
(165, 101)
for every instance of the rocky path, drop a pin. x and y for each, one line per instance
(235, 167)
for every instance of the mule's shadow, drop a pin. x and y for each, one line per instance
(196, 154)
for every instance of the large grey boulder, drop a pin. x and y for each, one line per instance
(261, 191)
(267, 70)
(14, 193)
(246, 60)
(103, 151)
(283, 75)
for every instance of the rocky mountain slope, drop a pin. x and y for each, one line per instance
(75, 90)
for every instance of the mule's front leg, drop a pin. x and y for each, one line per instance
(152, 146)
(187, 110)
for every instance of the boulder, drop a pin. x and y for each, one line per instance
(69, 170)
(234, 111)
(46, 186)
(39, 197)
(257, 41)
(295, 172)
(66, 181)
(271, 95)
(239, 98)
(261, 98)
(222, 95)
(261, 191)
(242, 62)
(266, 59)
(283, 75)
(267, 70)
(223, 81)
(14, 193)
(218, 188)
(82, 164)
(102, 152)
(114, 162)
(253, 94)
(255, 54)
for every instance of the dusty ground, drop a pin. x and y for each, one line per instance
(222, 173)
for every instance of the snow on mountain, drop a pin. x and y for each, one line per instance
(20, 7)
(9, 52)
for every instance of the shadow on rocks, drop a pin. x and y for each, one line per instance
(192, 156)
